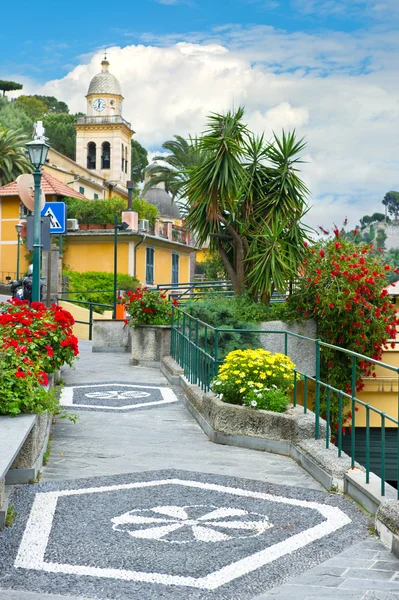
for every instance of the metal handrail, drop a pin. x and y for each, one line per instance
(199, 357)
(90, 304)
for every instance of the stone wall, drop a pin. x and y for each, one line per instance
(149, 343)
(301, 352)
(110, 335)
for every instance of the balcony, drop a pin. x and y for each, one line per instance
(104, 120)
(180, 234)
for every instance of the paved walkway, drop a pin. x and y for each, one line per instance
(136, 503)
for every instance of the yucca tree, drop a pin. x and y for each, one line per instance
(247, 198)
(13, 160)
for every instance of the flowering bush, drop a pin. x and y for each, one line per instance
(148, 307)
(255, 378)
(35, 341)
(342, 288)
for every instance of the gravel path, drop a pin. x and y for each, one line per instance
(137, 504)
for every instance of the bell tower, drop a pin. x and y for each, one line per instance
(103, 136)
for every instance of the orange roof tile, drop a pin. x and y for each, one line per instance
(50, 186)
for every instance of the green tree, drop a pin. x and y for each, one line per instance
(139, 161)
(173, 173)
(380, 238)
(34, 108)
(61, 133)
(53, 105)
(391, 201)
(13, 117)
(13, 160)
(145, 210)
(246, 197)
(9, 86)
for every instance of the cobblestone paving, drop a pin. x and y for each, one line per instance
(164, 513)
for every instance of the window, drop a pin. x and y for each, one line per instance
(82, 190)
(123, 158)
(175, 269)
(106, 156)
(91, 155)
(149, 269)
(95, 196)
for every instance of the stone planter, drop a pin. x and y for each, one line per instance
(301, 352)
(110, 335)
(149, 343)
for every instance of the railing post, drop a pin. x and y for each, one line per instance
(172, 333)
(285, 343)
(216, 353)
(183, 344)
(353, 430)
(317, 398)
(90, 321)
(197, 354)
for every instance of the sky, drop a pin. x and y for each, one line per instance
(327, 68)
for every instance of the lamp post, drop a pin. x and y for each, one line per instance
(117, 227)
(18, 229)
(37, 151)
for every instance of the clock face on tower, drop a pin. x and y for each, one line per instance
(99, 104)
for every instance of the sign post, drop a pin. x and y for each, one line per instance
(56, 211)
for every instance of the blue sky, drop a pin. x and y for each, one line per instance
(327, 68)
(47, 38)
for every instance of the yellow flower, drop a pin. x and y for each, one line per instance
(262, 375)
(243, 389)
(238, 380)
(223, 377)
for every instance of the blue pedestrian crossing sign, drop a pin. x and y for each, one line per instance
(57, 213)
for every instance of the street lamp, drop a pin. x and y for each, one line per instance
(18, 229)
(37, 151)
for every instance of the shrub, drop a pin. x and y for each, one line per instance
(103, 212)
(342, 288)
(255, 378)
(148, 307)
(84, 284)
(35, 341)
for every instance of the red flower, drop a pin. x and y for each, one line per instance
(20, 374)
(322, 253)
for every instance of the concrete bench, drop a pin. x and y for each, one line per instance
(23, 441)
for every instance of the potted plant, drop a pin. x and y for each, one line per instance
(150, 314)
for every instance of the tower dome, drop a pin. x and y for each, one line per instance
(104, 82)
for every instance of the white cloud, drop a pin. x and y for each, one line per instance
(339, 90)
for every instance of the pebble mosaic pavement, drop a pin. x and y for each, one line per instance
(184, 518)
(171, 534)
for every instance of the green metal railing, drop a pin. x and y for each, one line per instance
(91, 306)
(197, 290)
(195, 345)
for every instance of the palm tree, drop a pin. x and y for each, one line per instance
(13, 160)
(183, 154)
(245, 195)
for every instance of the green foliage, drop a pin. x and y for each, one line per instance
(53, 105)
(255, 378)
(173, 171)
(145, 210)
(391, 201)
(14, 118)
(212, 267)
(9, 86)
(380, 239)
(219, 312)
(139, 161)
(34, 108)
(374, 218)
(245, 196)
(11, 515)
(148, 307)
(342, 288)
(61, 132)
(100, 284)
(103, 212)
(13, 160)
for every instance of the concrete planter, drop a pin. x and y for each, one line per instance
(110, 335)
(301, 352)
(149, 343)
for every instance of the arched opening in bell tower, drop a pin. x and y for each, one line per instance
(91, 155)
(106, 155)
